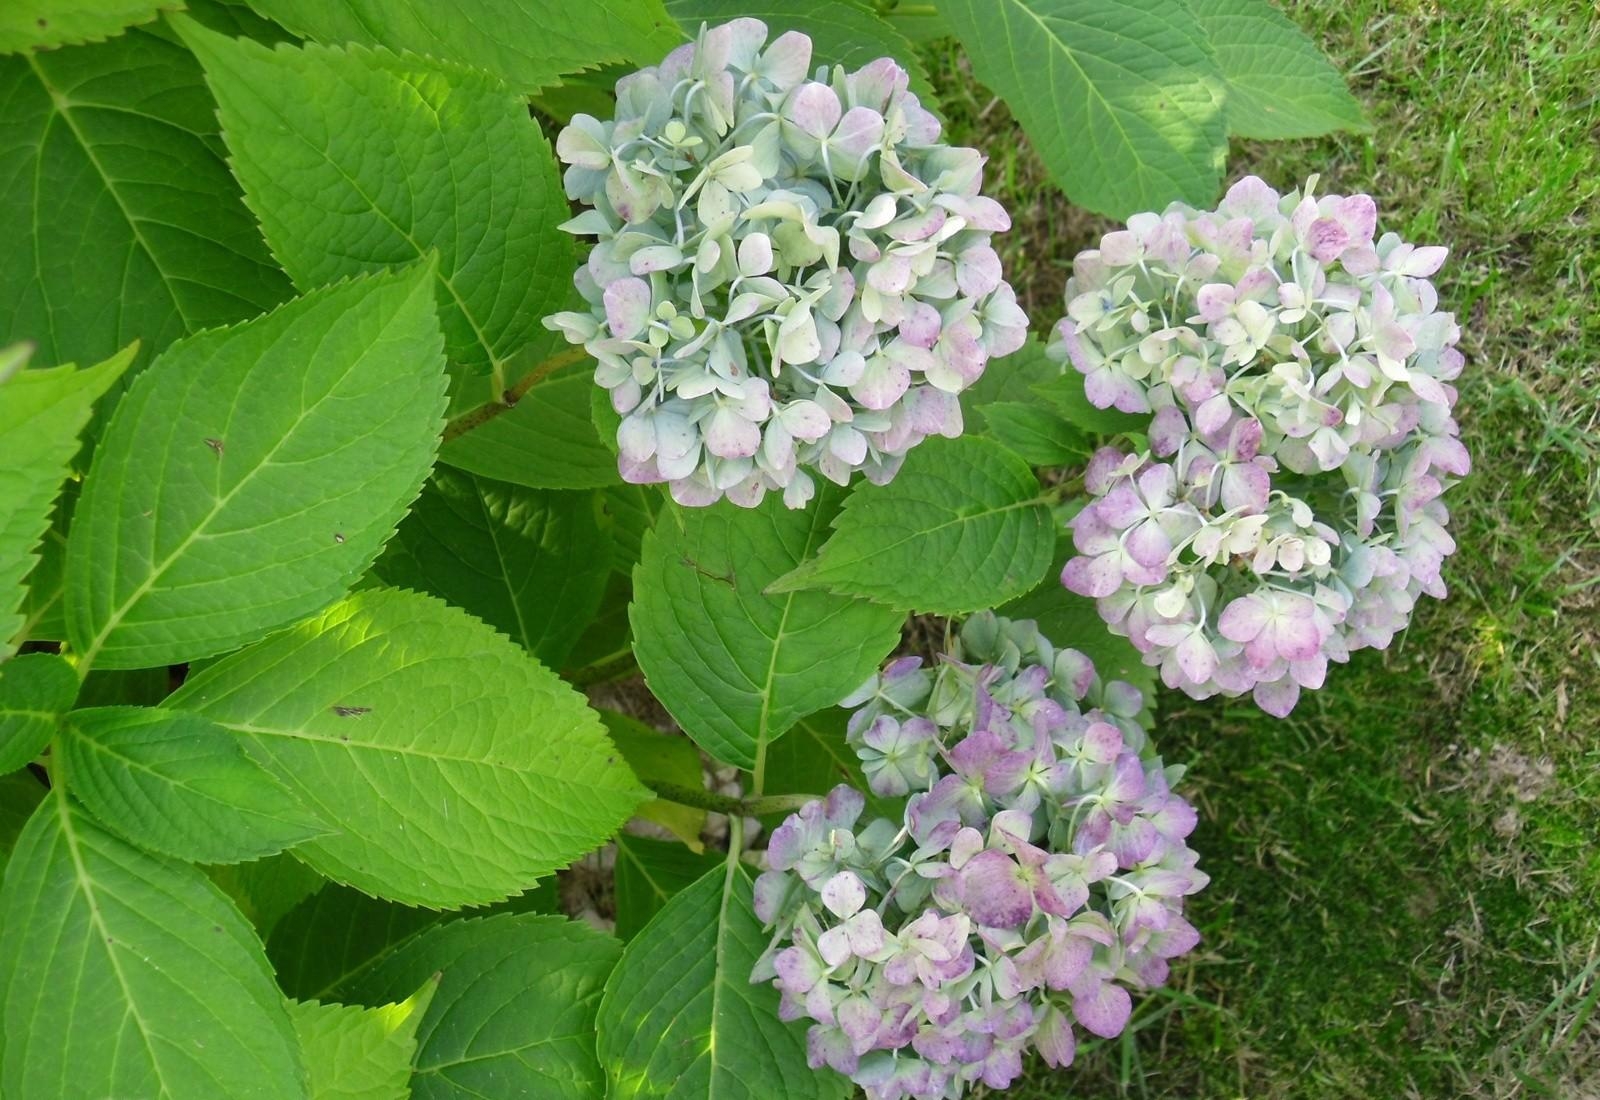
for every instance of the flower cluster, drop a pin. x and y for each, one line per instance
(1297, 375)
(1036, 877)
(790, 274)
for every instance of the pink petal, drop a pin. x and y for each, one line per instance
(1105, 1010)
(1243, 619)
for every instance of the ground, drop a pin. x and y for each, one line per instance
(1406, 875)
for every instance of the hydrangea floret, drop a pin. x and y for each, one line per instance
(1297, 375)
(1034, 882)
(790, 273)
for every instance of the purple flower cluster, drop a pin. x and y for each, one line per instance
(789, 274)
(1296, 372)
(1035, 880)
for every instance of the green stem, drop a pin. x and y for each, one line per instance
(476, 418)
(725, 804)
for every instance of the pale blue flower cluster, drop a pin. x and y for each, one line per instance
(1296, 372)
(790, 274)
(1035, 880)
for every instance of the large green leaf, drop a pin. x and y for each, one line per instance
(1036, 432)
(457, 767)
(842, 32)
(648, 874)
(356, 1053)
(531, 564)
(179, 784)
(1121, 98)
(119, 218)
(736, 666)
(359, 160)
(250, 474)
(127, 974)
(529, 44)
(680, 1018)
(514, 1014)
(960, 528)
(41, 414)
(45, 24)
(1280, 85)
(35, 690)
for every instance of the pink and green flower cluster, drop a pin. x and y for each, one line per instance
(791, 275)
(1296, 370)
(1035, 881)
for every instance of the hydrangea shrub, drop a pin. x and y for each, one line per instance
(323, 556)
(1034, 883)
(1296, 370)
(791, 274)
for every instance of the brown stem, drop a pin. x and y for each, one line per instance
(476, 418)
(724, 804)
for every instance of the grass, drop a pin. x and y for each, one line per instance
(1406, 873)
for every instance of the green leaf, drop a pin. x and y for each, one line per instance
(459, 769)
(649, 873)
(605, 651)
(265, 890)
(1005, 403)
(252, 473)
(1066, 395)
(127, 974)
(120, 219)
(681, 1019)
(20, 794)
(125, 687)
(1069, 619)
(41, 414)
(358, 1053)
(359, 161)
(664, 757)
(841, 32)
(46, 24)
(626, 513)
(545, 441)
(529, 44)
(1121, 98)
(960, 528)
(531, 564)
(330, 939)
(735, 666)
(1011, 377)
(1038, 434)
(35, 690)
(178, 784)
(515, 1011)
(1280, 85)
(42, 615)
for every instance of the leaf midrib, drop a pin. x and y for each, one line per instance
(764, 719)
(86, 886)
